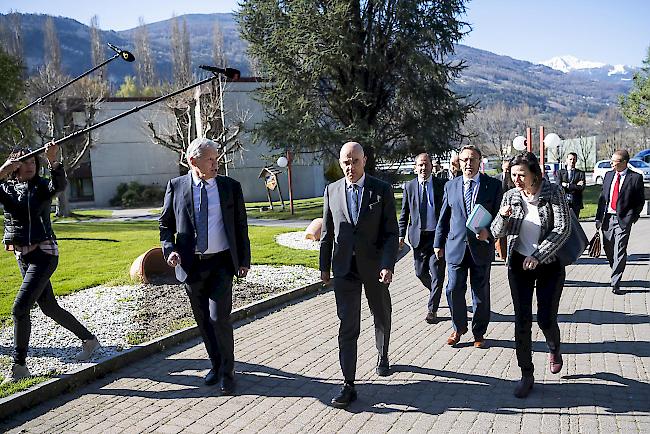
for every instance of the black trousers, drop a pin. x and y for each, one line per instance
(347, 291)
(429, 269)
(549, 281)
(209, 289)
(36, 268)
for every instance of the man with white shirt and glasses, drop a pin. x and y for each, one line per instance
(572, 181)
(619, 207)
(468, 253)
(420, 208)
(204, 235)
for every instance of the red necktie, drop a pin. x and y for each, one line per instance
(617, 185)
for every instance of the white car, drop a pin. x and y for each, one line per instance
(636, 165)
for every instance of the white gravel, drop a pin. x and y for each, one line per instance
(110, 313)
(296, 240)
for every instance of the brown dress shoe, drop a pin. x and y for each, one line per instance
(479, 342)
(454, 338)
(555, 362)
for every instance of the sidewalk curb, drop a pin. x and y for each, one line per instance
(41, 392)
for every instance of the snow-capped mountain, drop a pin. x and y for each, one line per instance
(569, 64)
(574, 66)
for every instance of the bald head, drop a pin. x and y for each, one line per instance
(352, 160)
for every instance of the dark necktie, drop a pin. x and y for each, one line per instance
(617, 186)
(424, 205)
(354, 206)
(202, 221)
(571, 176)
(469, 193)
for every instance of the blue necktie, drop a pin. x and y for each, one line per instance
(469, 193)
(354, 206)
(202, 221)
(424, 205)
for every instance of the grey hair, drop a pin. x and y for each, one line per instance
(472, 148)
(198, 146)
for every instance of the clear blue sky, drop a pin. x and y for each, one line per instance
(611, 31)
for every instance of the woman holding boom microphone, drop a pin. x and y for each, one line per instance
(26, 198)
(535, 217)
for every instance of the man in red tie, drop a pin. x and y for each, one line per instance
(619, 207)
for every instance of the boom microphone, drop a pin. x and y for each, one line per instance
(126, 55)
(230, 73)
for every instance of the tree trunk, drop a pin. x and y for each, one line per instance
(64, 210)
(371, 163)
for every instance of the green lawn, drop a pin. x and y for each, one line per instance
(590, 199)
(97, 253)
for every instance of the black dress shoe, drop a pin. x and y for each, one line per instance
(212, 378)
(524, 386)
(431, 318)
(347, 394)
(227, 385)
(383, 367)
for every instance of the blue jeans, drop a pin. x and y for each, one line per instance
(36, 268)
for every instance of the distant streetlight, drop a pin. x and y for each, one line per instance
(286, 162)
(519, 143)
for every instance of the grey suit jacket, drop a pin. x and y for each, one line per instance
(373, 240)
(409, 219)
(177, 224)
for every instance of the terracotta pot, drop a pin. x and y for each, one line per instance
(150, 263)
(313, 230)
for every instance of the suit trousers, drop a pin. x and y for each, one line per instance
(36, 268)
(429, 270)
(209, 289)
(347, 291)
(479, 277)
(615, 241)
(549, 280)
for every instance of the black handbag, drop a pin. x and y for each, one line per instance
(574, 245)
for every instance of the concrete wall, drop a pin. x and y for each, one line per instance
(124, 152)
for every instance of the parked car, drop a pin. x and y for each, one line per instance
(635, 165)
(551, 170)
(644, 155)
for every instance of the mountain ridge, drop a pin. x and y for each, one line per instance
(489, 77)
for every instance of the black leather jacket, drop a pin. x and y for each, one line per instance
(27, 207)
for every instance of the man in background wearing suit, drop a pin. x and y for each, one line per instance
(573, 182)
(619, 207)
(204, 234)
(420, 207)
(466, 252)
(359, 246)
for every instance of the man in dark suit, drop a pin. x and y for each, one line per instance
(420, 208)
(619, 207)
(359, 246)
(573, 182)
(204, 235)
(467, 252)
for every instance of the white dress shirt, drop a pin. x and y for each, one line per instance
(430, 224)
(476, 179)
(349, 193)
(531, 227)
(217, 239)
(611, 190)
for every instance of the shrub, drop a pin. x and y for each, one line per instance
(135, 194)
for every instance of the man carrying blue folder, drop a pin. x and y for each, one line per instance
(468, 251)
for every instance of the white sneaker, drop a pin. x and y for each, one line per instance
(87, 349)
(18, 372)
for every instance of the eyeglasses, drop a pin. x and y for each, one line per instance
(616, 161)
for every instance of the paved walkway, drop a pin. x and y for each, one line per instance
(288, 371)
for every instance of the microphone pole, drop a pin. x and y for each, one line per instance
(114, 118)
(127, 56)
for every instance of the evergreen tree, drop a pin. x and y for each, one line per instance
(18, 131)
(636, 105)
(375, 71)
